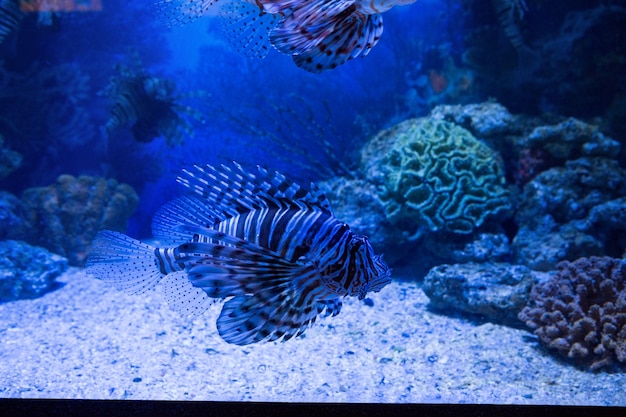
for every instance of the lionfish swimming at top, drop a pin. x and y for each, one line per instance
(271, 248)
(318, 34)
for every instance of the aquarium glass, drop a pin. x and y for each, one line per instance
(307, 201)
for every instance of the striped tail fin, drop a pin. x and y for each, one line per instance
(127, 264)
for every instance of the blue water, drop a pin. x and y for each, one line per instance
(349, 103)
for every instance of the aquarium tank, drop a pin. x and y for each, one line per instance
(307, 201)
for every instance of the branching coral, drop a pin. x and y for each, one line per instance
(435, 174)
(581, 311)
(149, 106)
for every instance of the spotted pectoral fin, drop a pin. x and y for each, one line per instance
(354, 36)
(307, 24)
(247, 27)
(183, 297)
(181, 12)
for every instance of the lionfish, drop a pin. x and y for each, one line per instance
(271, 248)
(10, 18)
(318, 34)
(149, 106)
(510, 14)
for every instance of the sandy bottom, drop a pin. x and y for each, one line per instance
(86, 340)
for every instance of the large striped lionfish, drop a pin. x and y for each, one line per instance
(318, 34)
(272, 249)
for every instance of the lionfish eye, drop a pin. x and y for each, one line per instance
(357, 244)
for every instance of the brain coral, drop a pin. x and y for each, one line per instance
(433, 173)
(581, 311)
(66, 216)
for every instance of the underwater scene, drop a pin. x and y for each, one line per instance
(346, 201)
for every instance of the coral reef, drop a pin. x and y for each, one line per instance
(542, 248)
(65, 217)
(530, 162)
(495, 291)
(567, 208)
(581, 311)
(27, 271)
(150, 106)
(607, 221)
(435, 175)
(569, 192)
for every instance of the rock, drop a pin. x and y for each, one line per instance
(542, 250)
(569, 193)
(573, 138)
(482, 120)
(27, 271)
(495, 291)
(484, 247)
(12, 217)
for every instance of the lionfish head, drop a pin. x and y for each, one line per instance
(374, 273)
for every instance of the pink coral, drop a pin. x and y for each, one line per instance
(581, 311)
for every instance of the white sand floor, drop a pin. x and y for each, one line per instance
(86, 340)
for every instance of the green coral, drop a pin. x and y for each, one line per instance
(436, 174)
